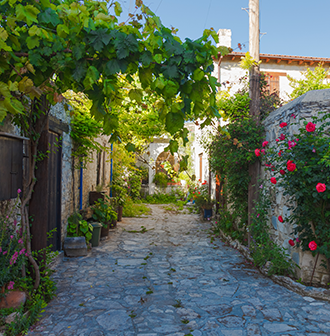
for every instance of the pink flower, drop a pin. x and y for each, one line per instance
(293, 115)
(312, 245)
(265, 143)
(19, 191)
(258, 215)
(282, 136)
(313, 150)
(5, 252)
(20, 241)
(22, 251)
(257, 152)
(26, 254)
(283, 124)
(263, 151)
(298, 240)
(310, 127)
(11, 237)
(273, 180)
(291, 242)
(15, 222)
(321, 187)
(0, 249)
(277, 140)
(282, 172)
(11, 285)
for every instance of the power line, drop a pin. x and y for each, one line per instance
(158, 6)
(207, 14)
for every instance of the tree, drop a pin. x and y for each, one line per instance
(316, 79)
(47, 48)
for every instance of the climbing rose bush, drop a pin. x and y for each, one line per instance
(297, 163)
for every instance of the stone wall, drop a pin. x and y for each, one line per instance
(306, 106)
(70, 192)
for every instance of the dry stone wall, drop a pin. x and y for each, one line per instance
(306, 106)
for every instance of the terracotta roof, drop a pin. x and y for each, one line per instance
(278, 58)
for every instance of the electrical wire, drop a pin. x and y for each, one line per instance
(207, 14)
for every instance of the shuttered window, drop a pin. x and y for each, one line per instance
(273, 80)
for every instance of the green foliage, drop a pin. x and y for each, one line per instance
(134, 184)
(161, 179)
(12, 251)
(316, 79)
(77, 227)
(233, 106)
(230, 156)
(263, 248)
(160, 198)
(201, 196)
(84, 128)
(37, 300)
(50, 47)
(132, 209)
(310, 209)
(103, 211)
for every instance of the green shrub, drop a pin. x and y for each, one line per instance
(77, 227)
(161, 179)
(132, 209)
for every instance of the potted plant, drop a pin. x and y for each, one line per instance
(104, 214)
(203, 200)
(97, 194)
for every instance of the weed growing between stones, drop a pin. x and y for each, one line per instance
(178, 304)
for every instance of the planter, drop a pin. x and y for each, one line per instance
(75, 246)
(207, 213)
(96, 234)
(105, 230)
(94, 196)
(13, 299)
(120, 213)
(173, 183)
(113, 224)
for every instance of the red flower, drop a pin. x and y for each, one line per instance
(282, 172)
(263, 151)
(280, 218)
(265, 143)
(310, 127)
(312, 245)
(283, 124)
(321, 187)
(280, 153)
(273, 180)
(282, 136)
(291, 242)
(257, 152)
(277, 140)
(291, 166)
(199, 192)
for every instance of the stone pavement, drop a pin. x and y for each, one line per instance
(172, 281)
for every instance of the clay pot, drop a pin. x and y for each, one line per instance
(13, 299)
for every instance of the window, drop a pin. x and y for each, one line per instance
(273, 80)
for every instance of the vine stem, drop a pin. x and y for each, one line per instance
(317, 257)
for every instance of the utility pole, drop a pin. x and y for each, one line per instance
(254, 38)
(254, 49)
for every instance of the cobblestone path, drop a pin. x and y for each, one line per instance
(172, 281)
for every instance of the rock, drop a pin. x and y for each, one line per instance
(75, 246)
(13, 300)
(11, 318)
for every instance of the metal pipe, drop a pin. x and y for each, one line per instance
(111, 171)
(81, 186)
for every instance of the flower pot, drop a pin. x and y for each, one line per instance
(207, 213)
(113, 224)
(13, 299)
(96, 234)
(105, 230)
(120, 213)
(94, 196)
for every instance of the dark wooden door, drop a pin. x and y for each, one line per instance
(54, 191)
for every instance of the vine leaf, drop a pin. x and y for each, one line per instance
(174, 122)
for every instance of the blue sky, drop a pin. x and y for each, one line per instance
(293, 27)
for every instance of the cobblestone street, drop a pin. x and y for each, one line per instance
(171, 280)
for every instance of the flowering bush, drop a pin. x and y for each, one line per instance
(12, 250)
(201, 196)
(301, 171)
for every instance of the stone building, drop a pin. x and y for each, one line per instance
(63, 186)
(228, 71)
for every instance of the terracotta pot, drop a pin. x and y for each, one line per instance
(120, 213)
(13, 299)
(105, 230)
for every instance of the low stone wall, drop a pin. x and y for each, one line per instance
(306, 106)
